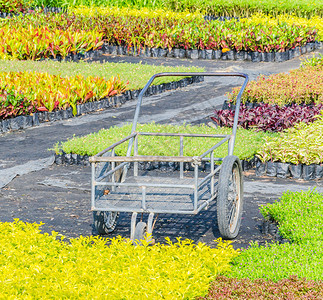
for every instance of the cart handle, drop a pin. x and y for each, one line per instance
(236, 115)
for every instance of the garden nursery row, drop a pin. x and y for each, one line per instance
(236, 8)
(60, 35)
(24, 106)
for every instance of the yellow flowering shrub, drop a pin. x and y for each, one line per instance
(313, 22)
(131, 12)
(43, 266)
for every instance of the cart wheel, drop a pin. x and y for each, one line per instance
(230, 197)
(105, 221)
(140, 232)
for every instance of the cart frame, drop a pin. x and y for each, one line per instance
(122, 163)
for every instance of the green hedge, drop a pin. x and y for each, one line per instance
(299, 217)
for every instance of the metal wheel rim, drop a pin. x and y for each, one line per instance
(109, 218)
(234, 199)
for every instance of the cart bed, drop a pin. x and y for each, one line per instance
(159, 199)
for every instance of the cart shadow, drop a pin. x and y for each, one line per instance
(198, 228)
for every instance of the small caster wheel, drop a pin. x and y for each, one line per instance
(140, 233)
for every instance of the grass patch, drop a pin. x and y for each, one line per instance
(41, 266)
(137, 74)
(299, 216)
(247, 141)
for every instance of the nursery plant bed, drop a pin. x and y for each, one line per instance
(23, 122)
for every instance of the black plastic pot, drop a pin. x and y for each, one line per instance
(176, 53)
(241, 55)
(1, 128)
(194, 54)
(134, 94)
(14, 124)
(52, 116)
(182, 53)
(247, 165)
(80, 109)
(310, 47)
(231, 55)
(96, 105)
(170, 53)
(121, 50)
(202, 54)
(297, 52)
(112, 49)
(260, 168)
(28, 121)
(264, 227)
(291, 53)
(148, 52)
(268, 56)
(88, 106)
(271, 169)
(255, 57)
(35, 119)
(154, 52)
(309, 172)
(296, 170)
(74, 159)
(66, 114)
(217, 54)
(319, 171)
(209, 54)
(281, 56)
(59, 158)
(162, 52)
(68, 159)
(249, 56)
(5, 125)
(283, 170)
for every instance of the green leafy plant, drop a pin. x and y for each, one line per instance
(247, 142)
(315, 61)
(13, 104)
(14, 6)
(300, 86)
(39, 35)
(299, 216)
(302, 144)
(233, 8)
(35, 265)
(45, 92)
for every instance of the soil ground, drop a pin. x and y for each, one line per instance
(34, 189)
